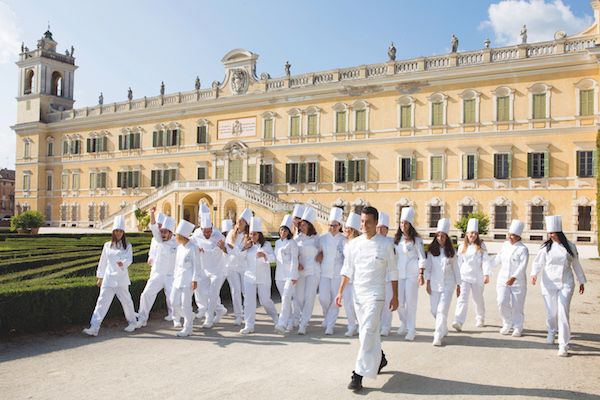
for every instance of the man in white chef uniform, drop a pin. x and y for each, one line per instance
(370, 260)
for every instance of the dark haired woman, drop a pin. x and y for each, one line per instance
(411, 261)
(286, 272)
(113, 279)
(557, 260)
(257, 278)
(442, 274)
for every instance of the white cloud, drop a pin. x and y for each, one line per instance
(9, 35)
(543, 20)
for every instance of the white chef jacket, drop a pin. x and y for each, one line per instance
(411, 257)
(152, 251)
(514, 259)
(188, 265)
(165, 254)
(333, 254)
(235, 259)
(368, 264)
(286, 255)
(308, 248)
(474, 264)
(213, 258)
(258, 270)
(558, 266)
(112, 275)
(441, 271)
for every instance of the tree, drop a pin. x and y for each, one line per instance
(484, 222)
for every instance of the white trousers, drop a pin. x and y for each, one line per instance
(462, 304)
(153, 286)
(369, 353)
(181, 301)
(236, 286)
(264, 295)
(208, 295)
(511, 302)
(328, 289)
(386, 313)
(348, 300)
(286, 291)
(440, 305)
(306, 295)
(558, 303)
(408, 293)
(106, 297)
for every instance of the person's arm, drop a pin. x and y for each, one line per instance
(523, 260)
(422, 259)
(338, 298)
(427, 276)
(485, 264)
(497, 260)
(578, 269)
(394, 300)
(197, 265)
(538, 264)
(102, 264)
(267, 249)
(294, 260)
(128, 256)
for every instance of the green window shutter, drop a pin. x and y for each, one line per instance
(137, 141)
(198, 135)
(340, 124)
(201, 173)
(131, 141)
(405, 117)
(104, 143)
(437, 113)
(312, 124)
(92, 180)
(167, 139)
(88, 144)
(595, 163)
(350, 168)
(539, 106)
(465, 166)
(495, 165)
(118, 179)
(361, 120)
(268, 134)
(261, 173)
(165, 177)
(436, 168)
(103, 181)
(362, 166)
(295, 126)
(154, 138)
(510, 156)
(99, 179)
(201, 134)
(578, 163)
(153, 178)
(288, 168)
(72, 147)
(65, 147)
(317, 172)
(413, 168)
(503, 110)
(546, 164)
(159, 141)
(129, 179)
(529, 164)
(177, 137)
(469, 111)
(586, 102)
(173, 175)
(475, 165)
(302, 173)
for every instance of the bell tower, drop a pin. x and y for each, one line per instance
(46, 80)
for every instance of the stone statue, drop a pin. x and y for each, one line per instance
(487, 43)
(130, 94)
(454, 44)
(162, 88)
(67, 53)
(26, 49)
(231, 214)
(392, 52)
(287, 68)
(239, 81)
(101, 99)
(72, 51)
(22, 47)
(197, 85)
(524, 35)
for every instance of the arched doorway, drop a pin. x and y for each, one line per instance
(190, 206)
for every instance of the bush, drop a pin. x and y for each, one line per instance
(27, 220)
(484, 222)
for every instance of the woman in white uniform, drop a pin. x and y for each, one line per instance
(511, 285)
(286, 272)
(410, 253)
(257, 278)
(310, 270)
(557, 260)
(113, 279)
(442, 275)
(475, 273)
(331, 246)
(352, 231)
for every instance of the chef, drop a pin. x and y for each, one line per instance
(383, 227)
(286, 271)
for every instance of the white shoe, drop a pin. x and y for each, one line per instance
(329, 331)
(402, 330)
(350, 332)
(91, 331)
(550, 338)
(517, 332)
(384, 332)
(562, 351)
(238, 321)
(177, 323)
(280, 329)
(324, 324)
(219, 315)
(410, 336)
(185, 332)
(199, 315)
(302, 330)
(505, 330)
(169, 318)
(437, 341)
(131, 327)
(246, 330)
(457, 326)
(480, 323)
(296, 324)
(207, 325)
(290, 326)
(141, 324)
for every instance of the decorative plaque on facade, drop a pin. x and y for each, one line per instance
(236, 128)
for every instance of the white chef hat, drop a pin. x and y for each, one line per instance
(384, 220)
(473, 225)
(553, 223)
(408, 215)
(298, 211)
(336, 214)
(226, 225)
(206, 221)
(160, 218)
(256, 224)
(169, 224)
(119, 223)
(516, 227)
(246, 215)
(353, 221)
(204, 209)
(288, 221)
(443, 225)
(309, 215)
(185, 228)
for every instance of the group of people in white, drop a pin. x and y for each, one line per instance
(370, 274)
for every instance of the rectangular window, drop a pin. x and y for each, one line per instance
(92, 180)
(469, 166)
(128, 179)
(201, 173)
(586, 164)
(436, 168)
(75, 182)
(469, 111)
(586, 98)
(65, 147)
(101, 180)
(48, 182)
(340, 171)
(356, 171)
(501, 217)
(340, 121)
(466, 210)
(252, 173)
(268, 126)
(50, 149)
(311, 122)
(537, 217)
(26, 150)
(220, 172)
(405, 169)
(266, 174)
(173, 137)
(361, 120)
(539, 106)
(437, 113)
(538, 165)
(26, 181)
(405, 116)
(76, 146)
(64, 182)
(292, 172)
(295, 126)
(201, 136)
(584, 218)
(312, 172)
(435, 213)
(503, 104)
(502, 166)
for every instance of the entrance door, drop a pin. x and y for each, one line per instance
(236, 173)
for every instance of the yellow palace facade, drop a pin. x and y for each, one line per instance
(509, 131)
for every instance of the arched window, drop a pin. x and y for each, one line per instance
(29, 81)
(57, 84)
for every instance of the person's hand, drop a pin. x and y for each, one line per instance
(120, 264)
(533, 280)
(150, 261)
(99, 283)
(338, 300)
(319, 257)
(201, 249)
(153, 209)
(486, 279)
(247, 245)
(394, 304)
(581, 289)
(300, 267)
(428, 287)
(294, 281)
(194, 285)
(261, 254)
(511, 281)
(457, 290)
(421, 280)
(221, 245)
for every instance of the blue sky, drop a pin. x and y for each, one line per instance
(138, 44)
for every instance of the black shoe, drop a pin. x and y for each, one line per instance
(383, 362)
(356, 382)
